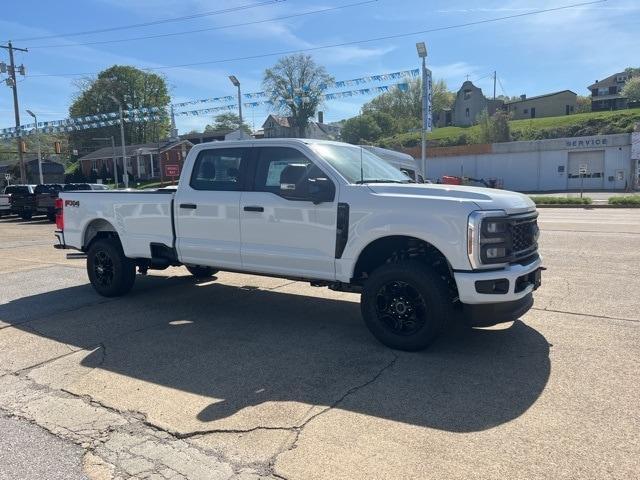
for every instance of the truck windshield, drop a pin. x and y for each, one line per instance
(358, 165)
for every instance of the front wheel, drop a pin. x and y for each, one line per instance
(111, 273)
(201, 272)
(405, 305)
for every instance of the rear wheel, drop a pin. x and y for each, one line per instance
(405, 305)
(111, 273)
(26, 215)
(201, 272)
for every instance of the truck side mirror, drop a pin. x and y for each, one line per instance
(321, 190)
(292, 180)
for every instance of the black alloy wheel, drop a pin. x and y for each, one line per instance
(401, 308)
(406, 305)
(103, 269)
(111, 273)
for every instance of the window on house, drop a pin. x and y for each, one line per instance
(526, 110)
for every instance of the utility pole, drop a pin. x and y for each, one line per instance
(495, 77)
(11, 81)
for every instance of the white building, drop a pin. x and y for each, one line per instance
(544, 165)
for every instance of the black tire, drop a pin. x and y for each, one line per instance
(405, 305)
(51, 217)
(26, 215)
(201, 272)
(110, 272)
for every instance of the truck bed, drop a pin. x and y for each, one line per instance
(139, 217)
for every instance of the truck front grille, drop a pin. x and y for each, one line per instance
(524, 236)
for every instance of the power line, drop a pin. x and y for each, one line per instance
(344, 44)
(157, 22)
(200, 30)
(501, 87)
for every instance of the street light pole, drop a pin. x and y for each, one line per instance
(422, 53)
(236, 83)
(125, 174)
(35, 120)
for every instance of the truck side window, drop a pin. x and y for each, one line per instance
(272, 162)
(219, 169)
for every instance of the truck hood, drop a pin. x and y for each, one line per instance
(484, 198)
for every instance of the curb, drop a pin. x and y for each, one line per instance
(586, 207)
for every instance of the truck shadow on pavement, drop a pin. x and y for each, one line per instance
(244, 349)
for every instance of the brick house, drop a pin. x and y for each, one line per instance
(145, 161)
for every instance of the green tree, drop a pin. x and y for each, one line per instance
(494, 129)
(227, 122)
(360, 129)
(583, 104)
(404, 105)
(295, 85)
(631, 89)
(632, 71)
(441, 97)
(134, 88)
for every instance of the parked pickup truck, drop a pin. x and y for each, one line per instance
(22, 200)
(333, 214)
(46, 196)
(5, 204)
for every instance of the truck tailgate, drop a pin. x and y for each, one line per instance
(139, 218)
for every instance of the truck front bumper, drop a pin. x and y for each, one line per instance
(509, 284)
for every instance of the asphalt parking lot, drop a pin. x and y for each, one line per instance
(247, 377)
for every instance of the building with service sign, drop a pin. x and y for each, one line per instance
(601, 162)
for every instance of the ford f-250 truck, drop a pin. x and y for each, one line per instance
(329, 213)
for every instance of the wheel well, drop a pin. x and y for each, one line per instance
(98, 229)
(398, 248)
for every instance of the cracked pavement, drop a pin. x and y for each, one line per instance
(247, 377)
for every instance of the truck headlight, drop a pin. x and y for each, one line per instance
(488, 239)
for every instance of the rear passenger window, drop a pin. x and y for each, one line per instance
(219, 169)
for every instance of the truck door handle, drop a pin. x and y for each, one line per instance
(191, 206)
(253, 209)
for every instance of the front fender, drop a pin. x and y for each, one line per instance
(443, 226)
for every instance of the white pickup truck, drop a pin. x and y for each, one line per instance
(328, 213)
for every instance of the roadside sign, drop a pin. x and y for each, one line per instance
(7, 176)
(426, 100)
(583, 169)
(172, 170)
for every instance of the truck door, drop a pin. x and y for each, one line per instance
(283, 231)
(207, 209)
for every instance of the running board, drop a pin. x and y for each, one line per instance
(76, 256)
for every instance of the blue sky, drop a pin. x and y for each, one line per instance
(536, 54)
